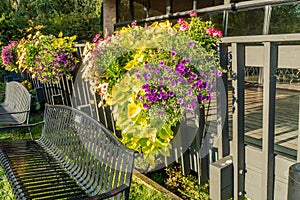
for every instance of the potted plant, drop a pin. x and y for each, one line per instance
(151, 75)
(46, 57)
(9, 56)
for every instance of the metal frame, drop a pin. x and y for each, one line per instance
(227, 7)
(238, 63)
(270, 64)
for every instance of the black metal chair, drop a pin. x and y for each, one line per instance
(15, 109)
(75, 158)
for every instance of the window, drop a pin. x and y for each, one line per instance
(248, 22)
(216, 18)
(285, 19)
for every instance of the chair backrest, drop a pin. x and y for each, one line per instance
(17, 99)
(95, 158)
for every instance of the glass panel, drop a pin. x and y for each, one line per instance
(157, 7)
(179, 5)
(204, 4)
(285, 19)
(216, 18)
(249, 22)
(124, 13)
(286, 117)
(140, 10)
(253, 107)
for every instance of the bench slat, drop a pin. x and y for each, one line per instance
(26, 176)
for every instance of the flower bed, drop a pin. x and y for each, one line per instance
(151, 76)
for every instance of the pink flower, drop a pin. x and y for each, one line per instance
(209, 31)
(95, 39)
(181, 21)
(146, 26)
(214, 32)
(184, 26)
(220, 34)
(133, 24)
(193, 14)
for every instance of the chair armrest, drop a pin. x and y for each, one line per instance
(10, 127)
(9, 113)
(111, 193)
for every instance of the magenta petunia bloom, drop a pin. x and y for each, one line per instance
(193, 14)
(133, 24)
(214, 32)
(184, 27)
(96, 38)
(180, 21)
(180, 101)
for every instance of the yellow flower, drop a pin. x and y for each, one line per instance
(60, 34)
(130, 64)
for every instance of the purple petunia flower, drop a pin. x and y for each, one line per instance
(147, 67)
(190, 92)
(159, 112)
(170, 93)
(180, 101)
(191, 44)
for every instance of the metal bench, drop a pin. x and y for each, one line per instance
(16, 106)
(75, 158)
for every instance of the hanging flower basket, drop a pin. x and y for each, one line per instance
(151, 76)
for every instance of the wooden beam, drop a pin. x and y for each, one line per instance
(262, 38)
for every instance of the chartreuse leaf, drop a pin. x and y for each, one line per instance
(143, 142)
(133, 110)
(157, 123)
(141, 119)
(165, 151)
(166, 132)
(150, 158)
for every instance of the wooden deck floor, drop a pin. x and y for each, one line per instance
(286, 119)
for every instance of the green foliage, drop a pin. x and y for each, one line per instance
(285, 19)
(186, 186)
(35, 104)
(72, 17)
(6, 191)
(142, 192)
(2, 87)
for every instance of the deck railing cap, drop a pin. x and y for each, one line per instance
(262, 38)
